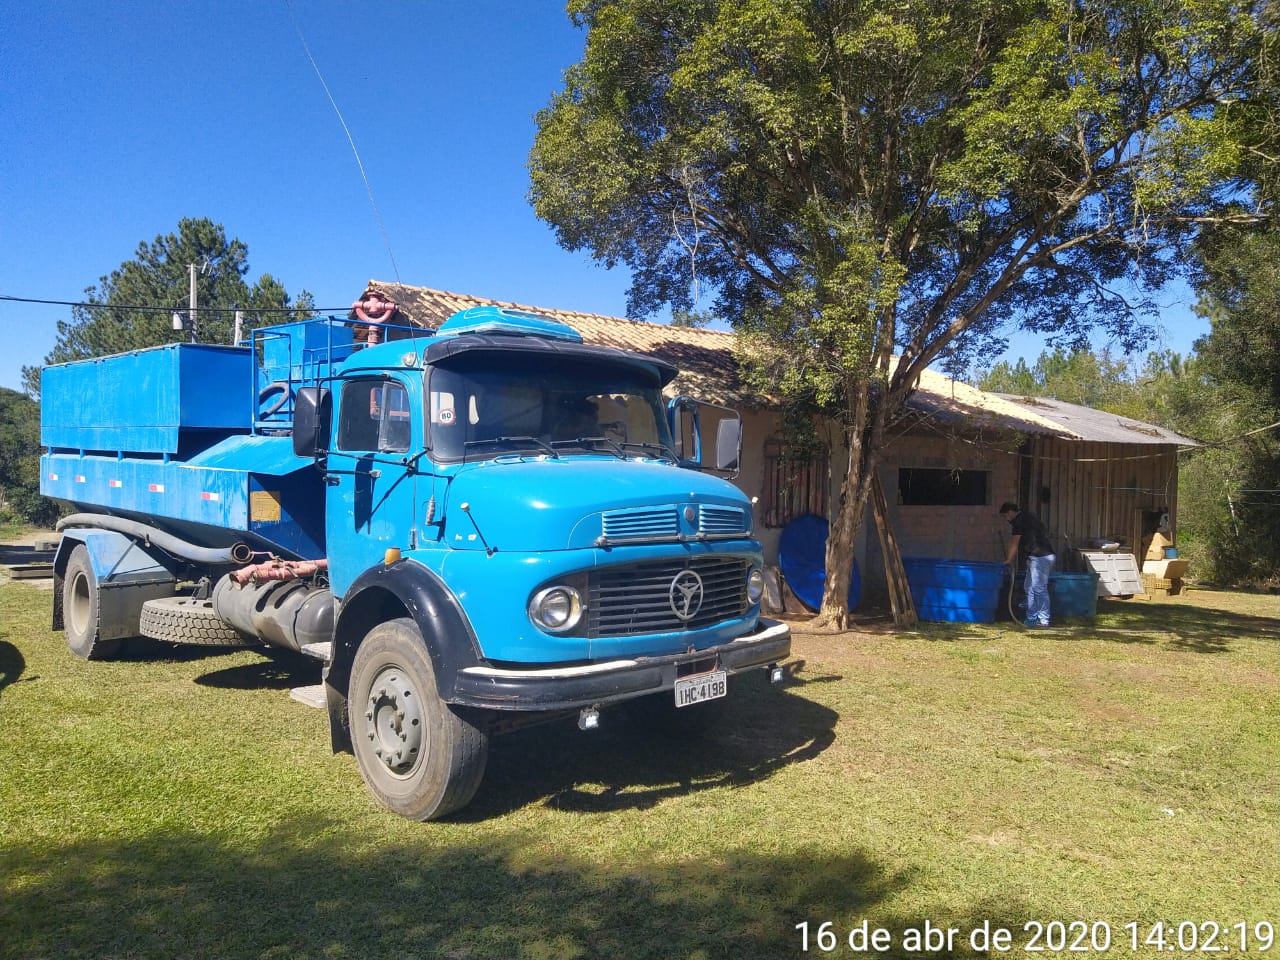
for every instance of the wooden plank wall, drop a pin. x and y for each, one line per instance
(1099, 490)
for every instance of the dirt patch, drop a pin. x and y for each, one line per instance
(29, 538)
(22, 557)
(856, 646)
(875, 623)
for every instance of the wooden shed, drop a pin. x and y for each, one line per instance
(1115, 478)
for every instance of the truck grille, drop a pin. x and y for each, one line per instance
(656, 522)
(721, 520)
(622, 601)
(665, 523)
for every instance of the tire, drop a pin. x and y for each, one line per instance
(187, 621)
(82, 609)
(418, 756)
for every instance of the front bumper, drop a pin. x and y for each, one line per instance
(566, 688)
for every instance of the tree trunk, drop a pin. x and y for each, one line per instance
(855, 488)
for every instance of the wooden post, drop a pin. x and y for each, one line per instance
(904, 611)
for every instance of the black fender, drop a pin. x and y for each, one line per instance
(385, 592)
(129, 573)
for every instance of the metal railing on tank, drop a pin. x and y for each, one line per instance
(305, 353)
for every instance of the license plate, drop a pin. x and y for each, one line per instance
(705, 686)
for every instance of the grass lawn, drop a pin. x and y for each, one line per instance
(179, 804)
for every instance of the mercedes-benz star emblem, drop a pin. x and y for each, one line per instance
(686, 594)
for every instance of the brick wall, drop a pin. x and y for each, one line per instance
(950, 532)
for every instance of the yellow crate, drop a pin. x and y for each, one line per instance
(1161, 587)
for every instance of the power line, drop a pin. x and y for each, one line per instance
(1223, 443)
(146, 308)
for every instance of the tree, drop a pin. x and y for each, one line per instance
(1240, 296)
(696, 319)
(20, 460)
(1090, 379)
(1234, 482)
(157, 279)
(856, 178)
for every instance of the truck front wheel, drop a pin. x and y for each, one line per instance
(82, 609)
(418, 756)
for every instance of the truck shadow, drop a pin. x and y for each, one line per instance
(623, 765)
(147, 650)
(626, 766)
(278, 669)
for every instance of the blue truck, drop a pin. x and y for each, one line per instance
(474, 528)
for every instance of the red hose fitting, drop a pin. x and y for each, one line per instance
(374, 309)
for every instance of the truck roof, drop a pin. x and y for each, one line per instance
(435, 349)
(443, 348)
(502, 330)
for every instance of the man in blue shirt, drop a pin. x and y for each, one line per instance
(1028, 531)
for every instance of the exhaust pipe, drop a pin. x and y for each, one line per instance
(240, 552)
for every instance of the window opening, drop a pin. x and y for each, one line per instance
(929, 487)
(374, 415)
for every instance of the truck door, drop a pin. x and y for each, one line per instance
(371, 501)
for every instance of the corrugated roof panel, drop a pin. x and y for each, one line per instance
(1087, 423)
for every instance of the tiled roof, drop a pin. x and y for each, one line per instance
(709, 370)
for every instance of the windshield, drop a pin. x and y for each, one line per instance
(488, 404)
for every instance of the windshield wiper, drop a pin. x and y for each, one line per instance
(592, 442)
(526, 441)
(662, 448)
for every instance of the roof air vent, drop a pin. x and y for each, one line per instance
(503, 320)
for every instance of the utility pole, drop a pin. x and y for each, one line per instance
(191, 300)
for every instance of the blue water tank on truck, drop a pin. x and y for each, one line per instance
(474, 529)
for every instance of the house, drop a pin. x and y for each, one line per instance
(955, 456)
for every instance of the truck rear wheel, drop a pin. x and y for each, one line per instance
(418, 756)
(82, 609)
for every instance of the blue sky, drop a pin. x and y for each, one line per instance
(123, 117)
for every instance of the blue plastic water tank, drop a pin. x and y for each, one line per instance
(802, 555)
(954, 591)
(1073, 594)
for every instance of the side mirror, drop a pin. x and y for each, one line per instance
(685, 415)
(686, 431)
(312, 416)
(729, 445)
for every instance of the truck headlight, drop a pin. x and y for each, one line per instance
(556, 609)
(755, 585)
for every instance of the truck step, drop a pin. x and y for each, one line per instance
(312, 696)
(321, 651)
